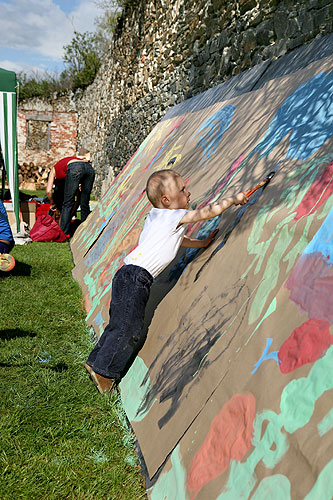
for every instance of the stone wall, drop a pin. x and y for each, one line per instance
(46, 131)
(167, 51)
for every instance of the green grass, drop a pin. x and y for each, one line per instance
(59, 438)
(40, 193)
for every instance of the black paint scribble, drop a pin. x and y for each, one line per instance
(186, 355)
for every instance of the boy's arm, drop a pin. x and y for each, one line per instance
(194, 243)
(213, 209)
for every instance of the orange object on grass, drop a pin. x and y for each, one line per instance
(7, 262)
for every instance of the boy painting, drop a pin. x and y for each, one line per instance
(162, 235)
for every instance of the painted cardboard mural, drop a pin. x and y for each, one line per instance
(231, 395)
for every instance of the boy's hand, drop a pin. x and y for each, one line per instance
(240, 199)
(194, 243)
(210, 238)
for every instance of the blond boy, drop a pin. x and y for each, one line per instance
(162, 235)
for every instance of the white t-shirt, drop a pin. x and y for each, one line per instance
(159, 240)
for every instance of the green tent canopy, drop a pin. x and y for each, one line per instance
(8, 140)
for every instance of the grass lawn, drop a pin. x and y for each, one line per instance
(59, 438)
(40, 193)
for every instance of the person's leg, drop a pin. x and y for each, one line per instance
(130, 292)
(116, 289)
(73, 177)
(58, 194)
(6, 246)
(87, 182)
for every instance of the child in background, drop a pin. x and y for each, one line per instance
(7, 261)
(162, 235)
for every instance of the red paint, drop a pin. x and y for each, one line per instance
(306, 344)
(229, 438)
(311, 286)
(318, 193)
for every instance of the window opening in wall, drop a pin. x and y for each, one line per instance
(38, 133)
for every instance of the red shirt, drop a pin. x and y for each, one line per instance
(61, 166)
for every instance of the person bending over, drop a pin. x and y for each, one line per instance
(73, 179)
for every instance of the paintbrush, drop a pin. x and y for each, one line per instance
(261, 184)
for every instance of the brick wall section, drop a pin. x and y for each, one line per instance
(61, 115)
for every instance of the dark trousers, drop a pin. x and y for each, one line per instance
(6, 247)
(121, 338)
(78, 173)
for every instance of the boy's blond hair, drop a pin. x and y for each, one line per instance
(156, 185)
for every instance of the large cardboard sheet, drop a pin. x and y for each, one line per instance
(234, 369)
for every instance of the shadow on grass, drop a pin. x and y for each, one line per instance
(20, 269)
(14, 333)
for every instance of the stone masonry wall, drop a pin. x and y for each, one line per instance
(46, 131)
(166, 51)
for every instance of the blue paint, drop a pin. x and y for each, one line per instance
(105, 223)
(308, 114)
(323, 240)
(96, 251)
(265, 355)
(212, 130)
(98, 319)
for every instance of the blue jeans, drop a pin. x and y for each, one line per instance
(121, 338)
(78, 172)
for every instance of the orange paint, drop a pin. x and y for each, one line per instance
(229, 438)
(86, 302)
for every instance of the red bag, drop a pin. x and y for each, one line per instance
(42, 208)
(46, 229)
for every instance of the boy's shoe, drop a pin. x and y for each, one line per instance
(88, 368)
(7, 262)
(103, 384)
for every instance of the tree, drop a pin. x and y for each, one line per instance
(83, 58)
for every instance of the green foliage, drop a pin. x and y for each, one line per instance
(59, 438)
(83, 59)
(41, 85)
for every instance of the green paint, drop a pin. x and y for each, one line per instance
(275, 487)
(270, 310)
(326, 209)
(326, 424)
(297, 405)
(273, 436)
(300, 395)
(241, 481)
(300, 245)
(133, 390)
(323, 488)
(283, 235)
(271, 273)
(172, 484)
